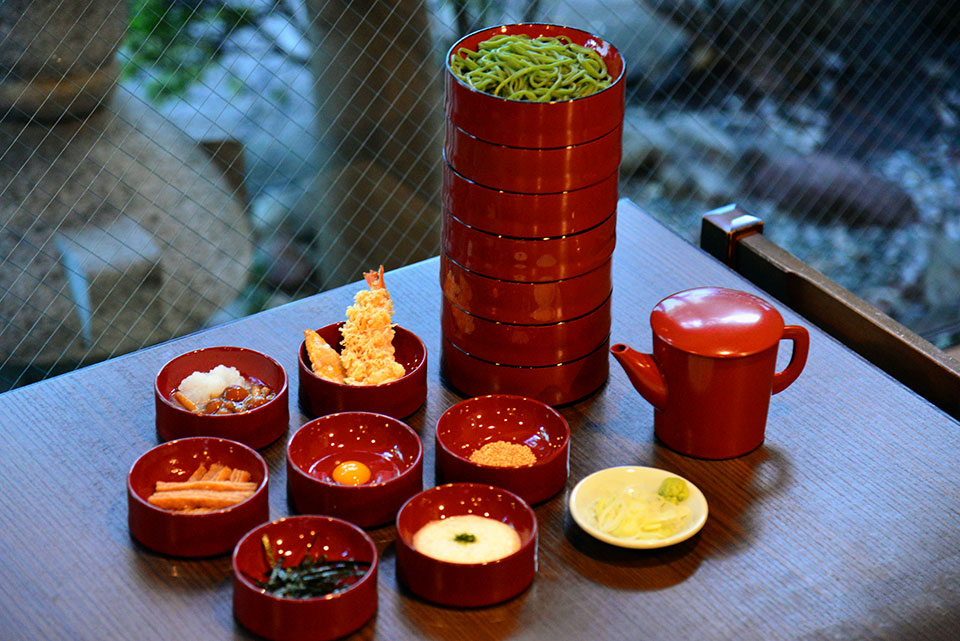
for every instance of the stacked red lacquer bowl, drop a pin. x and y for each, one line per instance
(529, 228)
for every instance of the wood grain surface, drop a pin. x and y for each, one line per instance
(845, 524)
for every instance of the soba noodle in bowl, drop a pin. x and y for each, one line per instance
(543, 69)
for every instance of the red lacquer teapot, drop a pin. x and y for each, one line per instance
(713, 369)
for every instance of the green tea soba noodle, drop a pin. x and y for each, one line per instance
(544, 69)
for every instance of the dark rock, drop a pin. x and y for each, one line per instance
(884, 97)
(289, 266)
(828, 189)
(881, 108)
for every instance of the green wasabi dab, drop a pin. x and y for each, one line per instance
(674, 489)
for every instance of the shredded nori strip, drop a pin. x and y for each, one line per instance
(312, 577)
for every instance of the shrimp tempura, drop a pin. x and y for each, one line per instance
(368, 354)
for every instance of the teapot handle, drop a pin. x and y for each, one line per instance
(801, 345)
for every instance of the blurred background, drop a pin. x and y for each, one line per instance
(168, 165)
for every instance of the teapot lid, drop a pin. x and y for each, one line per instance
(717, 322)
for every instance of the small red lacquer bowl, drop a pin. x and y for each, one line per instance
(193, 535)
(536, 124)
(525, 259)
(257, 427)
(525, 345)
(399, 398)
(313, 619)
(466, 584)
(525, 303)
(553, 384)
(469, 425)
(388, 447)
(524, 215)
(532, 170)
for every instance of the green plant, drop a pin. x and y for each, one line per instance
(162, 42)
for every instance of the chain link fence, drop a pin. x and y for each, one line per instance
(167, 165)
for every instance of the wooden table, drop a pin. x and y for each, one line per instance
(845, 524)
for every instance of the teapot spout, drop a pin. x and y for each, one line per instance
(643, 372)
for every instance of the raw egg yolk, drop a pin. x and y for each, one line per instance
(351, 473)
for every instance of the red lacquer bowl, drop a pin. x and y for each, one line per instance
(315, 619)
(525, 303)
(466, 584)
(193, 535)
(257, 427)
(524, 215)
(529, 260)
(555, 385)
(525, 345)
(532, 124)
(388, 447)
(471, 424)
(399, 398)
(532, 170)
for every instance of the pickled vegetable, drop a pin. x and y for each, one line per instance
(637, 512)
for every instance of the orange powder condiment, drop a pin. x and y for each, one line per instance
(504, 454)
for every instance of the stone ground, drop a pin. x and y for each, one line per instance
(678, 161)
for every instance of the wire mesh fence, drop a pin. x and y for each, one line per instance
(167, 165)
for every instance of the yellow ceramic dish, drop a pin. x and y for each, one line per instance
(599, 484)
